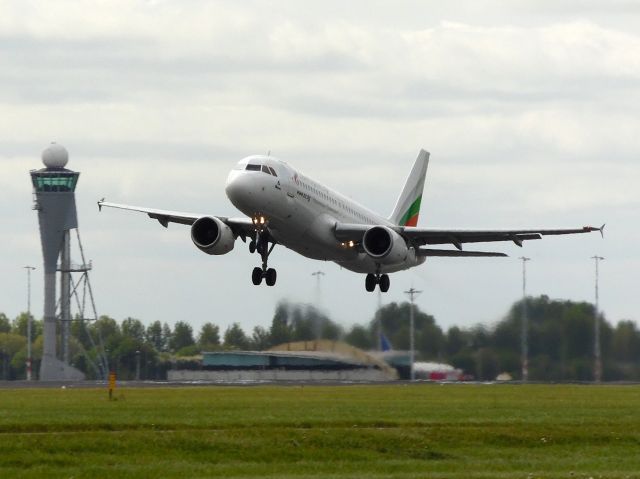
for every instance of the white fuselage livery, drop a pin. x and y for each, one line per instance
(302, 214)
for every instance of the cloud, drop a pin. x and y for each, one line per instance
(531, 115)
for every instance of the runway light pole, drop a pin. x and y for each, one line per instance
(138, 365)
(412, 293)
(318, 275)
(597, 364)
(29, 360)
(524, 333)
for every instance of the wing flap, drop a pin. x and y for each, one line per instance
(456, 253)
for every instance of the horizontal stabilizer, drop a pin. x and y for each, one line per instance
(458, 253)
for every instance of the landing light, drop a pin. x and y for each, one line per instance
(259, 220)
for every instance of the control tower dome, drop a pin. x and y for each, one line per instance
(55, 156)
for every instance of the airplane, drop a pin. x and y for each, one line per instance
(283, 206)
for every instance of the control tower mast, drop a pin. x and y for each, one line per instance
(54, 187)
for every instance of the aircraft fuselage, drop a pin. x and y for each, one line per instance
(302, 213)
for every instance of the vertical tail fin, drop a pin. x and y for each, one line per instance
(408, 205)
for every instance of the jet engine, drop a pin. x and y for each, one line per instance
(212, 236)
(385, 245)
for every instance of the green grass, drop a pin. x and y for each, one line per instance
(465, 431)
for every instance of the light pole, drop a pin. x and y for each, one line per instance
(138, 365)
(318, 275)
(29, 360)
(525, 322)
(597, 364)
(412, 293)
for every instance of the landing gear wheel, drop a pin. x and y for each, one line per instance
(252, 247)
(384, 283)
(270, 276)
(370, 282)
(256, 276)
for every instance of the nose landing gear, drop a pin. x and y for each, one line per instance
(372, 280)
(261, 246)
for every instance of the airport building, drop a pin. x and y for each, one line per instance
(299, 361)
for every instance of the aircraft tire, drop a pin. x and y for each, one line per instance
(384, 283)
(271, 276)
(370, 282)
(256, 276)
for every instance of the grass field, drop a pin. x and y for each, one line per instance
(459, 431)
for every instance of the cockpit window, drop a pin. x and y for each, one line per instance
(265, 169)
(251, 167)
(273, 172)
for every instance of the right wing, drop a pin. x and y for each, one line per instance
(240, 226)
(455, 237)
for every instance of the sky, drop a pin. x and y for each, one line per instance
(530, 109)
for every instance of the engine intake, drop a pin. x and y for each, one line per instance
(384, 245)
(212, 236)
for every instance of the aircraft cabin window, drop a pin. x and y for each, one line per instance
(253, 167)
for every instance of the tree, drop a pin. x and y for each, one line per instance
(626, 342)
(331, 330)
(456, 340)
(108, 329)
(260, 339)
(301, 325)
(280, 331)
(235, 338)
(154, 336)
(21, 324)
(182, 336)
(10, 344)
(5, 324)
(134, 329)
(167, 336)
(359, 337)
(209, 337)
(395, 320)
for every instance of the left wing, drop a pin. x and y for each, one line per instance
(430, 236)
(240, 226)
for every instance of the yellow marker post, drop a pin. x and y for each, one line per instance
(112, 384)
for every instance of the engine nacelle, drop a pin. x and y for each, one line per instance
(385, 245)
(212, 236)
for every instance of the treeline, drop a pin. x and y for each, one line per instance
(561, 338)
(155, 348)
(560, 341)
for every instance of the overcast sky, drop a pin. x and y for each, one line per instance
(530, 109)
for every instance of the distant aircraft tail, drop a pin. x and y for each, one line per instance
(407, 207)
(385, 344)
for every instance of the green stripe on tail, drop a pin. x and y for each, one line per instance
(410, 218)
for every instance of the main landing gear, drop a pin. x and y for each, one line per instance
(261, 245)
(372, 280)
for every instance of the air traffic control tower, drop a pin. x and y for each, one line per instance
(54, 188)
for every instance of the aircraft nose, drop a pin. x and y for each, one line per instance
(238, 187)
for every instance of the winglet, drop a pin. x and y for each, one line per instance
(602, 230)
(100, 204)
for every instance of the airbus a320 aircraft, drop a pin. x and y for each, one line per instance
(283, 206)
